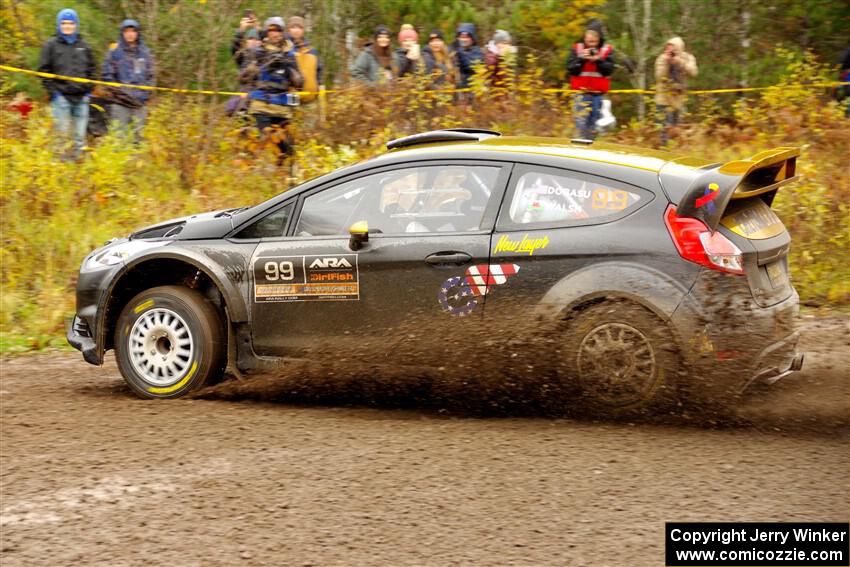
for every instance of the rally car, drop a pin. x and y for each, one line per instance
(652, 273)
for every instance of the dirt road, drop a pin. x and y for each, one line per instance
(93, 476)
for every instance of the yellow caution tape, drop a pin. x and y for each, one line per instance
(323, 92)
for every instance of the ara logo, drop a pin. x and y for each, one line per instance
(330, 262)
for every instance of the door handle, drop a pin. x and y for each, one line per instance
(448, 258)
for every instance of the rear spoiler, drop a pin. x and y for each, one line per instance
(762, 174)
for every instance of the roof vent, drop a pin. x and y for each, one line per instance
(581, 141)
(447, 135)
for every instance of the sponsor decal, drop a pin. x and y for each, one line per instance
(306, 278)
(525, 246)
(457, 296)
(708, 197)
(329, 262)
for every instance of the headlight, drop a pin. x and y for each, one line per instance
(114, 254)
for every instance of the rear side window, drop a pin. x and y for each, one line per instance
(546, 197)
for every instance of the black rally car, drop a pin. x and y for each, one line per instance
(654, 270)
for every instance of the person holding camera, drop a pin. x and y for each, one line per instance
(672, 69)
(590, 65)
(246, 42)
(274, 98)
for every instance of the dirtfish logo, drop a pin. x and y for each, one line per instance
(330, 263)
(526, 245)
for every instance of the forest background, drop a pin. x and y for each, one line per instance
(194, 158)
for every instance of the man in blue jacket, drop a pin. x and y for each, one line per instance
(130, 63)
(467, 55)
(67, 54)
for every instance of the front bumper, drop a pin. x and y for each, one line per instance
(79, 336)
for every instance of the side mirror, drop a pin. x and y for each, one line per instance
(359, 232)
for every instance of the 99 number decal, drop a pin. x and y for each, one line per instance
(279, 271)
(610, 199)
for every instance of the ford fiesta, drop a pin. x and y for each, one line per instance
(649, 271)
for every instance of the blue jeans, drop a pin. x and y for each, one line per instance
(586, 108)
(666, 117)
(65, 113)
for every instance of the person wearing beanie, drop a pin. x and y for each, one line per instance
(590, 64)
(272, 100)
(407, 56)
(374, 65)
(467, 55)
(438, 61)
(307, 58)
(500, 57)
(130, 63)
(672, 69)
(67, 53)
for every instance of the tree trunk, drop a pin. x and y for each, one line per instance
(640, 38)
(744, 37)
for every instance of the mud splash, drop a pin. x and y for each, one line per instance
(482, 376)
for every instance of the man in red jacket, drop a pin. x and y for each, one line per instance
(590, 65)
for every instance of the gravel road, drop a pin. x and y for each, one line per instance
(92, 476)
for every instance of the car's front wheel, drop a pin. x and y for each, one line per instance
(169, 341)
(623, 358)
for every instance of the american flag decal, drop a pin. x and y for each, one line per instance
(458, 294)
(481, 277)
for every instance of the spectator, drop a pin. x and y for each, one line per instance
(271, 102)
(246, 38)
(467, 55)
(408, 58)
(244, 50)
(844, 77)
(590, 65)
(672, 69)
(307, 57)
(499, 58)
(438, 61)
(130, 63)
(374, 65)
(68, 54)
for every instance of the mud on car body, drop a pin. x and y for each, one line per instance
(650, 270)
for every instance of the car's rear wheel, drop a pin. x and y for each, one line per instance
(169, 341)
(622, 357)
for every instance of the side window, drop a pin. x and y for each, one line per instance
(272, 225)
(449, 198)
(546, 197)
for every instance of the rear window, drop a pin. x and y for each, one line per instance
(544, 197)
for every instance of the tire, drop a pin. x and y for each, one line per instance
(169, 341)
(622, 357)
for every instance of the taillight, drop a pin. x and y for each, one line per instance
(696, 243)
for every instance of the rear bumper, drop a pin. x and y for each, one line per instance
(777, 361)
(729, 343)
